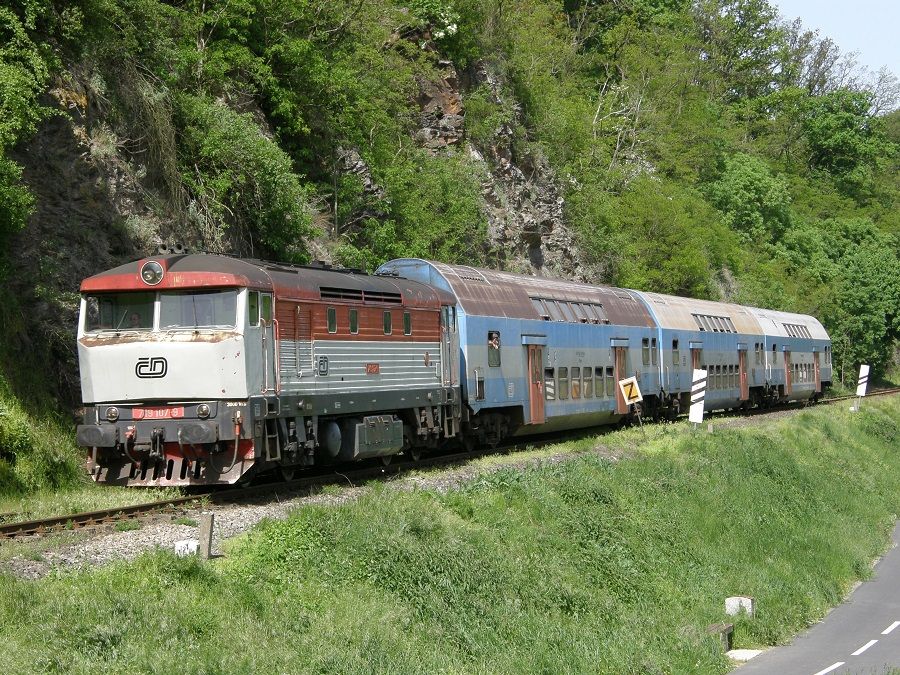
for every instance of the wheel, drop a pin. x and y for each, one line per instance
(415, 454)
(386, 459)
(287, 473)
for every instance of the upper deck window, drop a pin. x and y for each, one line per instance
(119, 312)
(199, 309)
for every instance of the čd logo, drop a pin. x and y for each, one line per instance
(151, 367)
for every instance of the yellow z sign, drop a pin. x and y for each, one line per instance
(631, 392)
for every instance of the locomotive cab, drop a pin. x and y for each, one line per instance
(168, 362)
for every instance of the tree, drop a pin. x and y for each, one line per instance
(751, 199)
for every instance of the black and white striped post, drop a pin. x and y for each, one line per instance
(861, 385)
(698, 396)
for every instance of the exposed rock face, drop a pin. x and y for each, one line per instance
(442, 120)
(524, 210)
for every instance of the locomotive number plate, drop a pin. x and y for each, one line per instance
(169, 413)
(373, 368)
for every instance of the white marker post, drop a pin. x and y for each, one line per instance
(698, 396)
(861, 385)
(631, 392)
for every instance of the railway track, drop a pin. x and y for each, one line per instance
(108, 517)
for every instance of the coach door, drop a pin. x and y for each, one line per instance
(816, 372)
(536, 383)
(619, 355)
(449, 347)
(788, 374)
(742, 368)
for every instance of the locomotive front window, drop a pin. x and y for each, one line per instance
(119, 311)
(203, 309)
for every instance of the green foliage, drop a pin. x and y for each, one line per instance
(662, 246)
(15, 199)
(752, 200)
(840, 133)
(242, 177)
(433, 211)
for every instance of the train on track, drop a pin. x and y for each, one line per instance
(205, 369)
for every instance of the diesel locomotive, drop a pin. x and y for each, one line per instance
(207, 369)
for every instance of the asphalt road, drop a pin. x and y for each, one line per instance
(862, 635)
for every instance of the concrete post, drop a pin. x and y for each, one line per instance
(206, 533)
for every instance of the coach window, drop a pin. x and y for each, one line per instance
(332, 320)
(675, 357)
(563, 383)
(407, 323)
(610, 381)
(354, 321)
(549, 384)
(493, 338)
(253, 307)
(653, 355)
(645, 351)
(774, 353)
(588, 389)
(576, 382)
(388, 329)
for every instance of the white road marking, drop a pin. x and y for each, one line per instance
(864, 648)
(830, 668)
(890, 628)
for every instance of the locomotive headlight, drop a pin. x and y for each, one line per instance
(112, 413)
(151, 273)
(203, 411)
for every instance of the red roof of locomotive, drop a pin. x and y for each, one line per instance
(286, 281)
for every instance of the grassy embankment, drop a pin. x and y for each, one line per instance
(584, 566)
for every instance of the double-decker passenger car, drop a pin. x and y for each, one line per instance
(208, 369)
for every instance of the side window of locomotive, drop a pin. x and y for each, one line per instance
(598, 387)
(266, 308)
(332, 320)
(645, 351)
(675, 357)
(253, 308)
(407, 323)
(563, 383)
(588, 388)
(354, 321)
(550, 384)
(653, 350)
(493, 340)
(610, 381)
(576, 382)
(388, 328)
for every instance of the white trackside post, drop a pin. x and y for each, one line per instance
(861, 385)
(698, 396)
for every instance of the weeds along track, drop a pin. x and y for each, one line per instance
(197, 500)
(105, 518)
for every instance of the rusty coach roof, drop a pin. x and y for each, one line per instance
(287, 281)
(484, 292)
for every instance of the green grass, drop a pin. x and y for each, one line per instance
(128, 525)
(583, 566)
(77, 499)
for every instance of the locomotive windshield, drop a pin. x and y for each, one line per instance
(204, 309)
(119, 311)
(136, 311)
